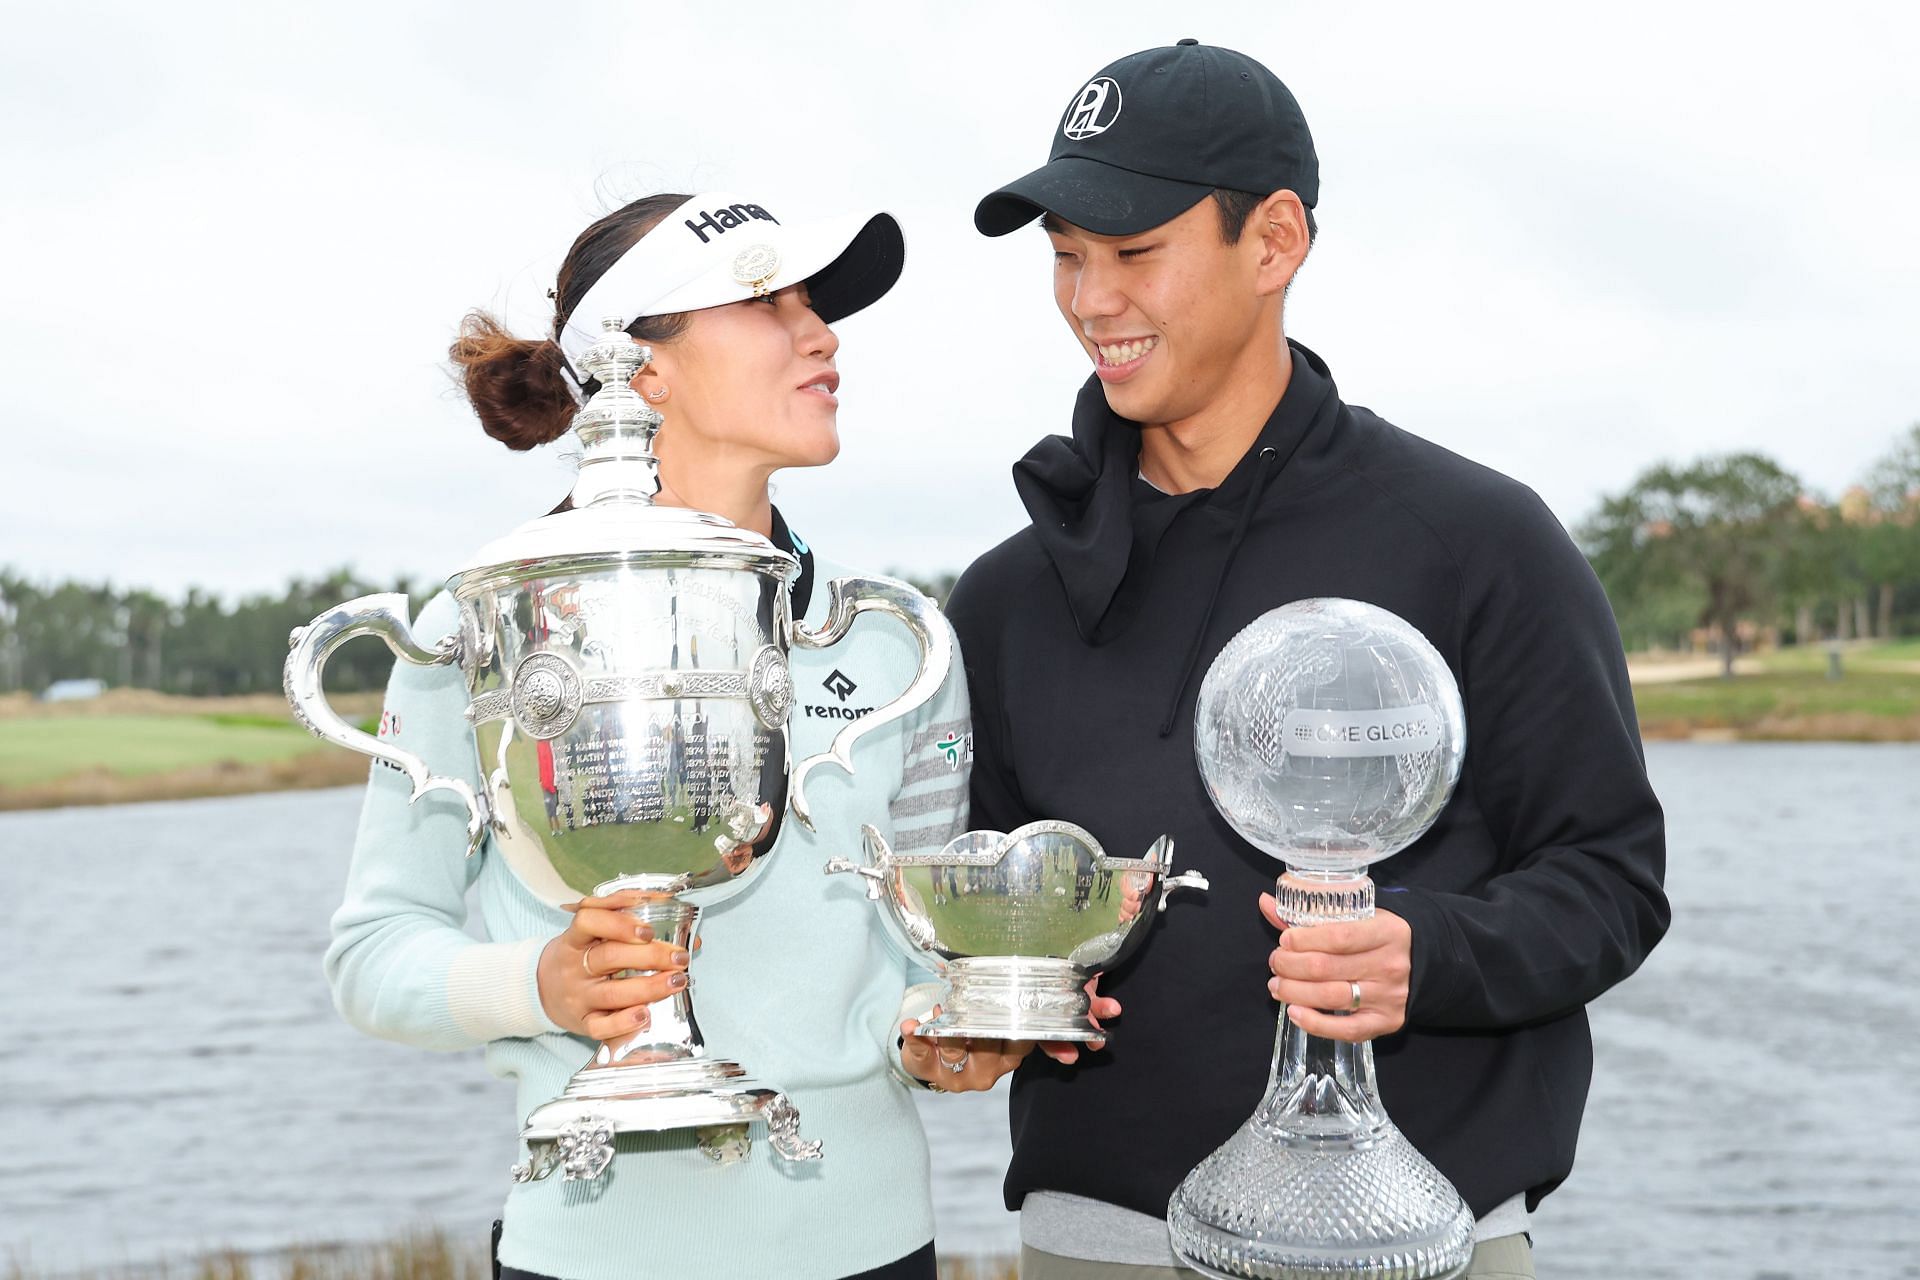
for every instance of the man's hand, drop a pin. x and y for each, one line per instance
(964, 1066)
(1315, 965)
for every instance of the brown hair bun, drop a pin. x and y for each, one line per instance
(517, 387)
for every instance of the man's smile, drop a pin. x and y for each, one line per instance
(1115, 361)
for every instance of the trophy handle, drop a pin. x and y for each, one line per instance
(383, 615)
(847, 599)
(1162, 853)
(876, 869)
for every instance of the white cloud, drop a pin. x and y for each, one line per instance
(1567, 242)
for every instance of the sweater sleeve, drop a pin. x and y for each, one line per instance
(930, 807)
(400, 963)
(1558, 773)
(928, 810)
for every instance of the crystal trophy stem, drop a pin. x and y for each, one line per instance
(1321, 1090)
(1320, 1145)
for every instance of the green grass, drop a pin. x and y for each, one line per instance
(989, 924)
(1745, 701)
(37, 749)
(1813, 657)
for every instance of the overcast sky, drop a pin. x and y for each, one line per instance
(1568, 241)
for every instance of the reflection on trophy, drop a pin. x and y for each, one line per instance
(1016, 923)
(1330, 734)
(627, 666)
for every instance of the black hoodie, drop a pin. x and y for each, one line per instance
(1085, 638)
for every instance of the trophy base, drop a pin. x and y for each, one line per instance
(574, 1133)
(1267, 1206)
(1013, 998)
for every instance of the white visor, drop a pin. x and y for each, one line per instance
(718, 248)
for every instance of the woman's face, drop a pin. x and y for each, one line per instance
(749, 385)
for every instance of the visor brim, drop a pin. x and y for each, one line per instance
(862, 272)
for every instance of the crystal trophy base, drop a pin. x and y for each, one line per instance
(1320, 1184)
(1257, 1208)
(1013, 998)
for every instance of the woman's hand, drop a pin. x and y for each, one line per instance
(958, 1066)
(577, 986)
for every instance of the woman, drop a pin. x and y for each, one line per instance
(797, 980)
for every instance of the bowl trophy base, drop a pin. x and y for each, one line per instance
(1013, 998)
(574, 1134)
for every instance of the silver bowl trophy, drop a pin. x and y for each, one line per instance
(1017, 922)
(629, 692)
(1329, 734)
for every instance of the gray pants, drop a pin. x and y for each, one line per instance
(1503, 1258)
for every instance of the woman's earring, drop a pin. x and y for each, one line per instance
(658, 393)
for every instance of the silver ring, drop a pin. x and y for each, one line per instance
(1353, 1006)
(955, 1067)
(586, 957)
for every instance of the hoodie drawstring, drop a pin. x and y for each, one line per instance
(1268, 456)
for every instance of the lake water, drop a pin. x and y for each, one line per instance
(173, 1076)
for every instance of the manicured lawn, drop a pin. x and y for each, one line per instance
(1770, 700)
(1813, 657)
(36, 749)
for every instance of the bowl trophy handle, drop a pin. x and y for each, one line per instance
(875, 871)
(847, 598)
(385, 616)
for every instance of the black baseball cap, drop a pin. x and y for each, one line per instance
(1151, 135)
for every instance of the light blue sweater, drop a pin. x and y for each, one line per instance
(795, 981)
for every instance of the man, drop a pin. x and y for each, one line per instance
(1214, 473)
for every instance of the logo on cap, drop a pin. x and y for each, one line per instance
(1094, 109)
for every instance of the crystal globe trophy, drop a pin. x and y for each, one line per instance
(1329, 733)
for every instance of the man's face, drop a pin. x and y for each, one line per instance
(1165, 315)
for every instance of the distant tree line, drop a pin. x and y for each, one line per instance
(200, 645)
(1723, 550)
(197, 645)
(1733, 548)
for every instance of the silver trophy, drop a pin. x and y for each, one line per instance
(1016, 923)
(629, 693)
(1329, 734)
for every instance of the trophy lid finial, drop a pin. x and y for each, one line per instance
(611, 509)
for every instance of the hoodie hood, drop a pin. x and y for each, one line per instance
(1083, 493)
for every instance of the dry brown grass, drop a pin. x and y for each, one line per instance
(1835, 726)
(419, 1256)
(145, 702)
(325, 766)
(1817, 726)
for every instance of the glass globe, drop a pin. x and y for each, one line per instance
(1329, 733)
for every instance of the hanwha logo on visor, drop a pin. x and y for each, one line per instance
(1094, 109)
